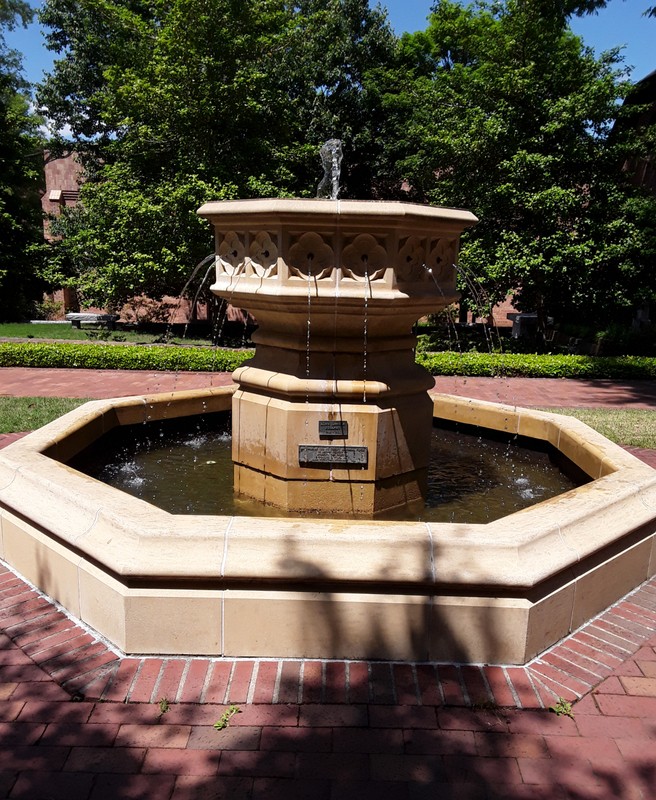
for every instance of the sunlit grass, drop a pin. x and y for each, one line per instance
(65, 331)
(636, 428)
(633, 427)
(29, 413)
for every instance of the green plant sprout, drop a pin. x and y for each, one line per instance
(224, 721)
(563, 708)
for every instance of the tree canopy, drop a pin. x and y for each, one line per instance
(497, 107)
(182, 101)
(20, 174)
(501, 109)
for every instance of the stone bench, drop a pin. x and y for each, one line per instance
(104, 320)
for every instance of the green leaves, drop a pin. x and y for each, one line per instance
(175, 103)
(97, 356)
(20, 174)
(209, 359)
(499, 108)
(496, 107)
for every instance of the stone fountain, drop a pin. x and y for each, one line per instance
(331, 414)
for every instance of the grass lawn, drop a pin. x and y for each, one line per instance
(29, 413)
(54, 330)
(636, 428)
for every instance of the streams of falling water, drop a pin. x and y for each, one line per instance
(367, 292)
(310, 259)
(483, 301)
(198, 290)
(223, 317)
(331, 160)
(183, 293)
(451, 323)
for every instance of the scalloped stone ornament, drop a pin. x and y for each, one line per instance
(442, 258)
(232, 254)
(410, 264)
(263, 253)
(364, 259)
(312, 257)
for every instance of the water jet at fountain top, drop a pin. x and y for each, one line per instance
(331, 160)
(310, 420)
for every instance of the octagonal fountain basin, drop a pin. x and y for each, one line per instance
(308, 587)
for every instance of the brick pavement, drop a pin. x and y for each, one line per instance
(79, 721)
(94, 384)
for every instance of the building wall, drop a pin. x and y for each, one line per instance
(62, 186)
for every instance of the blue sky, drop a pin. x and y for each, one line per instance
(620, 24)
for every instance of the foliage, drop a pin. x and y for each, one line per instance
(224, 721)
(499, 108)
(57, 330)
(99, 356)
(539, 366)
(562, 708)
(181, 102)
(127, 239)
(20, 171)
(164, 706)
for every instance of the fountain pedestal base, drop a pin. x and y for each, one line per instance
(341, 456)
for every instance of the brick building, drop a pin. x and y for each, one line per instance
(62, 189)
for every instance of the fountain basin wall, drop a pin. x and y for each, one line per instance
(152, 582)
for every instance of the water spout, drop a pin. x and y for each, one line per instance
(331, 160)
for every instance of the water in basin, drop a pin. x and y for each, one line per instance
(184, 466)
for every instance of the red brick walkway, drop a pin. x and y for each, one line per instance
(549, 392)
(25, 382)
(79, 722)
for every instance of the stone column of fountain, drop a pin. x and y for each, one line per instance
(332, 413)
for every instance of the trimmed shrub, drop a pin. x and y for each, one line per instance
(539, 366)
(98, 356)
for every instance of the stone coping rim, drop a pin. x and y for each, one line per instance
(519, 551)
(385, 209)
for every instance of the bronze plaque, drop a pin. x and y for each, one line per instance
(333, 429)
(332, 455)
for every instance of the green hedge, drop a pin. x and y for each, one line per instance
(99, 356)
(539, 366)
(208, 359)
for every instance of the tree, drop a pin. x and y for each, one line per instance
(501, 109)
(20, 163)
(174, 103)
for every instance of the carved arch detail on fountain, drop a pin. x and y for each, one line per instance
(441, 259)
(411, 260)
(311, 256)
(263, 254)
(364, 259)
(232, 254)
